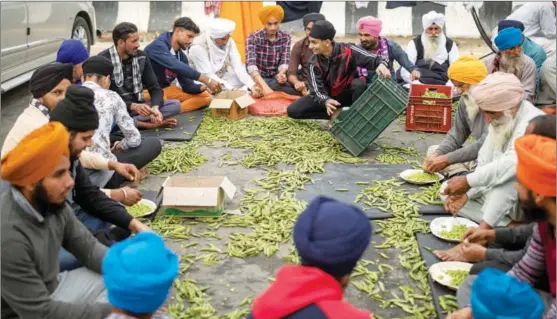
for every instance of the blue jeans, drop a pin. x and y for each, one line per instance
(67, 260)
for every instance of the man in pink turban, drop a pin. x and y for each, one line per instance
(369, 29)
(487, 195)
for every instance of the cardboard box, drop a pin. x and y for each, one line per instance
(196, 196)
(232, 104)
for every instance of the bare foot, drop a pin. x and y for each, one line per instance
(170, 122)
(453, 254)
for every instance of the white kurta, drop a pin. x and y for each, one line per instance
(492, 182)
(539, 23)
(234, 75)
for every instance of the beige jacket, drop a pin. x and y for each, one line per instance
(31, 119)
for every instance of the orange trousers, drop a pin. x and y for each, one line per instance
(189, 102)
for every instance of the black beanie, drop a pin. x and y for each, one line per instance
(47, 77)
(98, 65)
(312, 17)
(323, 30)
(77, 110)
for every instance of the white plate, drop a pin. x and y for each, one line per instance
(404, 175)
(440, 224)
(150, 203)
(438, 271)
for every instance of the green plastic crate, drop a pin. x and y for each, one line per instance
(370, 115)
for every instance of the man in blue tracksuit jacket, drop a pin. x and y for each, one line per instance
(171, 64)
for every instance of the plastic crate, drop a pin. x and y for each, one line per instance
(370, 115)
(429, 114)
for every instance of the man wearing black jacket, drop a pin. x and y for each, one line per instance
(91, 206)
(132, 73)
(333, 80)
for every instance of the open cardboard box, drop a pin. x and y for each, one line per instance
(196, 196)
(231, 104)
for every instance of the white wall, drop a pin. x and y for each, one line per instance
(396, 22)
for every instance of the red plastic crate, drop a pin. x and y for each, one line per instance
(429, 114)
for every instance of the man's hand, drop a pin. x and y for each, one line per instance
(436, 163)
(331, 106)
(454, 204)
(415, 75)
(132, 196)
(257, 91)
(383, 71)
(156, 115)
(128, 171)
(457, 185)
(117, 147)
(465, 313)
(203, 88)
(479, 236)
(300, 86)
(136, 226)
(141, 109)
(473, 252)
(281, 78)
(213, 86)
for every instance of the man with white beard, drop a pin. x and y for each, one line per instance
(216, 55)
(487, 196)
(432, 52)
(452, 157)
(511, 59)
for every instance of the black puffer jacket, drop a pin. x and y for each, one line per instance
(330, 76)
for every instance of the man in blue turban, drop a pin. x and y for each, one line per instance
(511, 59)
(330, 237)
(138, 274)
(74, 52)
(498, 295)
(529, 47)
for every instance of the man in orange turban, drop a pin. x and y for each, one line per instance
(37, 156)
(451, 157)
(36, 222)
(535, 172)
(268, 53)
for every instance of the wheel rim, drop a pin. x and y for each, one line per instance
(80, 34)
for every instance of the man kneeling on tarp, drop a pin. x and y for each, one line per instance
(332, 75)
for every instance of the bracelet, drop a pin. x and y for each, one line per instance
(125, 194)
(210, 80)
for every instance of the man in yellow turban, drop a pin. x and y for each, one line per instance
(268, 53)
(35, 223)
(451, 157)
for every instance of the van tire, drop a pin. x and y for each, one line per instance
(81, 28)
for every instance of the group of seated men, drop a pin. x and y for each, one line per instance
(62, 149)
(495, 112)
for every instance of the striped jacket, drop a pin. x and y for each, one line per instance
(330, 77)
(533, 265)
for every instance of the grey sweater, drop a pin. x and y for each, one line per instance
(510, 236)
(527, 77)
(30, 249)
(463, 127)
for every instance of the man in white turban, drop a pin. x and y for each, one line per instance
(214, 53)
(432, 52)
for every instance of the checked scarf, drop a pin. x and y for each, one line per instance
(119, 73)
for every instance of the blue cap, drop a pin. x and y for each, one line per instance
(496, 295)
(138, 273)
(508, 38)
(72, 51)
